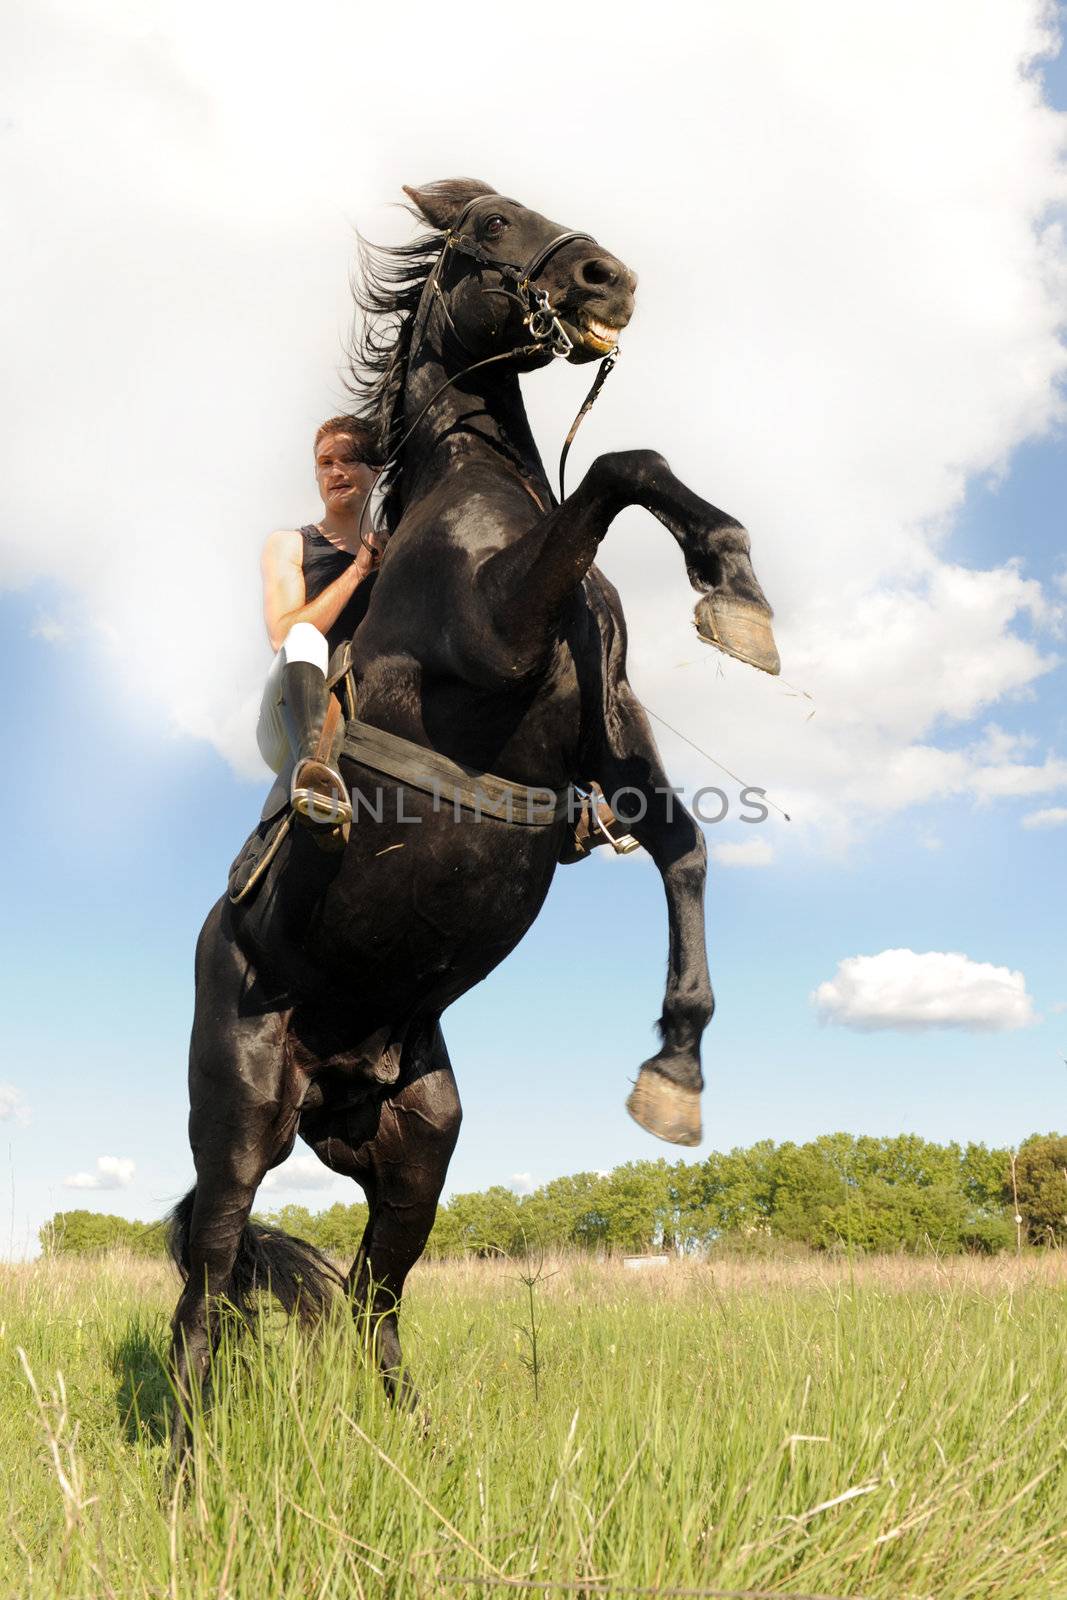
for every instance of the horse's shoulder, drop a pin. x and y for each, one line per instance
(484, 492)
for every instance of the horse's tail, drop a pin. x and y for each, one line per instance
(299, 1277)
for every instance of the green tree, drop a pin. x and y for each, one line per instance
(987, 1234)
(81, 1233)
(1041, 1182)
(813, 1180)
(567, 1212)
(985, 1176)
(290, 1218)
(337, 1230)
(445, 1239)
(484, 1224)
(885, 1216)
(881, 1193)
(736, 1191)
(637, 1205)
(691, 1226)
(907, 1159)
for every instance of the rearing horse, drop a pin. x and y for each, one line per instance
(491, 638)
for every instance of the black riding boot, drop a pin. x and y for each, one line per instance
(317, 791)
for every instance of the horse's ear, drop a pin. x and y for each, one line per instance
(441, 204)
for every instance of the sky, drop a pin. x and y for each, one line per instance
(848, 227)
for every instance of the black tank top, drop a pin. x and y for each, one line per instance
(323, 563)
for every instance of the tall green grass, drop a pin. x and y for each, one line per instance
(894, 1430)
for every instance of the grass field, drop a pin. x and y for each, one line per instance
(896, 1429)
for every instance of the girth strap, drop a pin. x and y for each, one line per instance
(451, 781)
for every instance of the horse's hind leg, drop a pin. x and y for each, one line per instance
(401, 1168)
(240, 1124)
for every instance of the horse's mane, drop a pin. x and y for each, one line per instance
(387, 289)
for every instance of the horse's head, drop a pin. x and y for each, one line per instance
(499, 262)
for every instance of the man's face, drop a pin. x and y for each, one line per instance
(342, 478)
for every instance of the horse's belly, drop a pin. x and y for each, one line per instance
(421, 912)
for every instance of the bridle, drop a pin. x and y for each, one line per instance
(539, 317)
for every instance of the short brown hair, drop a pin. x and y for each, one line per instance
(364, 433)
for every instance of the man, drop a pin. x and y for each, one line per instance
(310, 580)
(311, 576)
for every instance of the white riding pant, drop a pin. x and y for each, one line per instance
(303, 642)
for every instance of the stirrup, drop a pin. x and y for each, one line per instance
(318, 794)
(622, 843)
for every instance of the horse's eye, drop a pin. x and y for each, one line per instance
(494, 227)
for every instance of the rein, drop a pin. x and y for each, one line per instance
(539, 316)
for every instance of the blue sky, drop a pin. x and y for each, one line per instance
(104, 897)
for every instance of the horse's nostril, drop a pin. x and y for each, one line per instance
(597, 271)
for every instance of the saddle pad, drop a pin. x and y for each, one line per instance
(256, 855)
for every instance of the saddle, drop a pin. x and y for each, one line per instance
(594, 824)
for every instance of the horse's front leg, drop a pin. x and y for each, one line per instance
(666, 1096)
(535, 575)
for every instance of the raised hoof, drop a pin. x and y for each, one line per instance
(740, 630)
(665, 1108)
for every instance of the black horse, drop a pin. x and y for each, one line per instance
(491, 638)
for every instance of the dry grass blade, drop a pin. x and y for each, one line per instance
(838, 1500)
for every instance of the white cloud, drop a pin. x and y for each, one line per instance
(13, 1107)
(112, 1172)
(743, 853)
(522, 1183)
(301, 1173)
(1052, 817)
(845, 315)
(50, 629)
(910, 990)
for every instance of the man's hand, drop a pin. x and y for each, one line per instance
(368, 556)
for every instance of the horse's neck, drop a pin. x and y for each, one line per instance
(487, 414)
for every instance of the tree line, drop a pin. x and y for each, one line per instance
(838, 1192)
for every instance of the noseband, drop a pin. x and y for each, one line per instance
(538, 313)
(546, 331)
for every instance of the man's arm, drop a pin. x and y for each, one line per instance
(285, 597)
